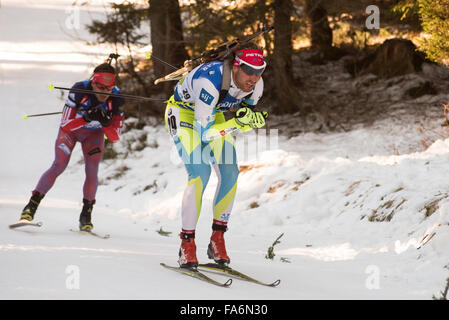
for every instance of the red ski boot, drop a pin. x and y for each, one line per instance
(217, 248)
(187, 252)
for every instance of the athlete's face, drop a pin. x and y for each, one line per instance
(244, 81)
(102, 88)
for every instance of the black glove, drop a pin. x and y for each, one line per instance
(95, 114)
(90, 115)
(105, 118)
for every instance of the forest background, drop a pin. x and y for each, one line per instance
(330, 62)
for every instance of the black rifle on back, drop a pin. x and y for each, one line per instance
(219, 53)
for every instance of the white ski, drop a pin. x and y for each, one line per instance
(24, 222)
(101, 236)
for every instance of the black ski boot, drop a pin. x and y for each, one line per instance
(30, 209)
(85, 216)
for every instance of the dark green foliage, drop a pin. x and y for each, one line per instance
(406, 10)
(444, 292)
(435, 22)
(163, 233)
(270, 253)
(208, 23)
(121, 26)
(433, 18)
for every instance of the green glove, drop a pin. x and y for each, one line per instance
(259, 120)
(247, 117)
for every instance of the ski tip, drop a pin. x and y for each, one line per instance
(276, 283)
(23, 222)
(25, 117)
(227, 283)
(50, 87)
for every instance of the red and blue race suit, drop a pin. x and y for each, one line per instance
(74, 129)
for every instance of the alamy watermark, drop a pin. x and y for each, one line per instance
(372, 282)
(72, 20)
(249, 146)
(373, 20)
(72, 281)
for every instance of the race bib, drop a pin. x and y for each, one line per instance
(173, 120)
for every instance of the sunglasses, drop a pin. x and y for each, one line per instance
(250, 70)
(103, 87)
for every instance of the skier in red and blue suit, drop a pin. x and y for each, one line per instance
(86, 118)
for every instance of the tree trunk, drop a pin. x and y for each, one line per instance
(286, 93)
(167, 39)
(321, 33)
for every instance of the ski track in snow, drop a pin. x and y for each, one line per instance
(353, 214)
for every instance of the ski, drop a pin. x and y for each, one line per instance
(101, 236)
(24, 222)
(216, 268)
(198, 275)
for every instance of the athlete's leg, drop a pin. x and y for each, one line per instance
(226, 189)
(179, 122)
(226, 168)
(65, 142)
(92, 146)
(188, 144)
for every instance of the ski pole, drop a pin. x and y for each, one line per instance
(151, 56)
(125, 96)
(40, 114)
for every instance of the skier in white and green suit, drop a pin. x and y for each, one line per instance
(194, 118)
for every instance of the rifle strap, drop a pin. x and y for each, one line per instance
(225, 80)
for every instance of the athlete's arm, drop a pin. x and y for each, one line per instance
(114, 130)
(69, 121)
(206, 98)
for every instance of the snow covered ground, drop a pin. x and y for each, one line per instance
(354, 215)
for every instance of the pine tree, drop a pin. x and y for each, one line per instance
(435, 22)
